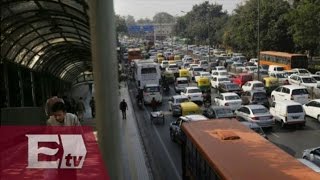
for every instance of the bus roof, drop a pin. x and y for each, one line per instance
(248, 157)
(281, 54)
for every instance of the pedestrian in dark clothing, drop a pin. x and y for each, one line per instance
(154, 104)
(80, 108)
(123, 108)
(93, 107)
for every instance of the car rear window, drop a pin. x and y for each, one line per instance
(233, 87)
(224, 111)
(224, 79)
(299, 92)
(148, 70)
(232, 97)
(181, 100)
(194, 91)
(198, 69)
(173, 66)
(258, 85)
(294, 109)
(182, 82)
(260, 111)
(260, 95)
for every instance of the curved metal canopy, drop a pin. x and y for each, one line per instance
(47, 35)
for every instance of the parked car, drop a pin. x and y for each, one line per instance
(174, 104)
(306, 81)
(253, 85)
(175, 127)
(194, 94)
(312, 109)
(288, 113)
(242, 78)
(313, 155)
(257, 114)
(231, 100)
(255, 97)
(216, 80)
(290, 92)
(216, 112)
(225, 87)
(255, 127)
(180, 84)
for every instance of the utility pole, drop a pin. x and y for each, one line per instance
(258, 53)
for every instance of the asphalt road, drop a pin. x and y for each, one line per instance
(164, 155)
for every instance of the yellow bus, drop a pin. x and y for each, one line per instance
(226, 149)
(286, 60)
(134, 53)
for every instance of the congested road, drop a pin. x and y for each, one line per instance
(164, 155)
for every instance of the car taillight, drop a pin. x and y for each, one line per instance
(226, 104)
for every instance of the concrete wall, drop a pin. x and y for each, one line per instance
(23, 116)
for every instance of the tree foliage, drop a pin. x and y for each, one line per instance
(144, 21)
(202, 24)
(121, 26)
(163, 17)
(242, 30)
(305, 25)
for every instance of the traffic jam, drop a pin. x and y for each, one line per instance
(271, 95)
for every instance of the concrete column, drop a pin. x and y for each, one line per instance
(103, 43)
(21, 87)
(33, 90)
(6, 83)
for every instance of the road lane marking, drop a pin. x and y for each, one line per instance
(164, 147)
(275, 135)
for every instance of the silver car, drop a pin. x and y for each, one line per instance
(312, 155)
(257, 114)
(174, 104)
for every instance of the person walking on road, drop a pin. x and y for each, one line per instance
(123, 108)
(80, 109)
(93, 107)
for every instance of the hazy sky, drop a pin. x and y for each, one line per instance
(148, 8)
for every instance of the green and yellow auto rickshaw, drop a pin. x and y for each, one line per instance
(270, 84)
(204, 84)
(169, 76)
(184, 73)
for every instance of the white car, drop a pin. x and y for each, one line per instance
(281, 76)
(175, 101)
(301, 71)
(204, 64)
(195, 71)
(216, 80)
(306, 81)
(253, 85)
(257, 114)
(219, 68)
(219, 73)
(250, 69)
(173, 68)
(290, 92)
(254, 61)
(231, 100)
(164, 64)
(193, 93)
(312, 109)
(316, 77)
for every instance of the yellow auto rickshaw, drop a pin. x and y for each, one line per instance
(270, 84)
(160, 59)
(188, 108)
(169, 76)
(204, 84)
(177, 57)
(184, 73)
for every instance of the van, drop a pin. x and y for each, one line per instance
(275, 68)
(180, 84)
(291, 92)
(151, 91)
(288, 113)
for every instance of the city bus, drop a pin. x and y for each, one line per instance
(146, 72)
(286, 60)
(134, 53)
(226, 149)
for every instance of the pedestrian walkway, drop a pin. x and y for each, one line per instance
(133, 156)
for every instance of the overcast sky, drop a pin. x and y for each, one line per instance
(148, 8)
